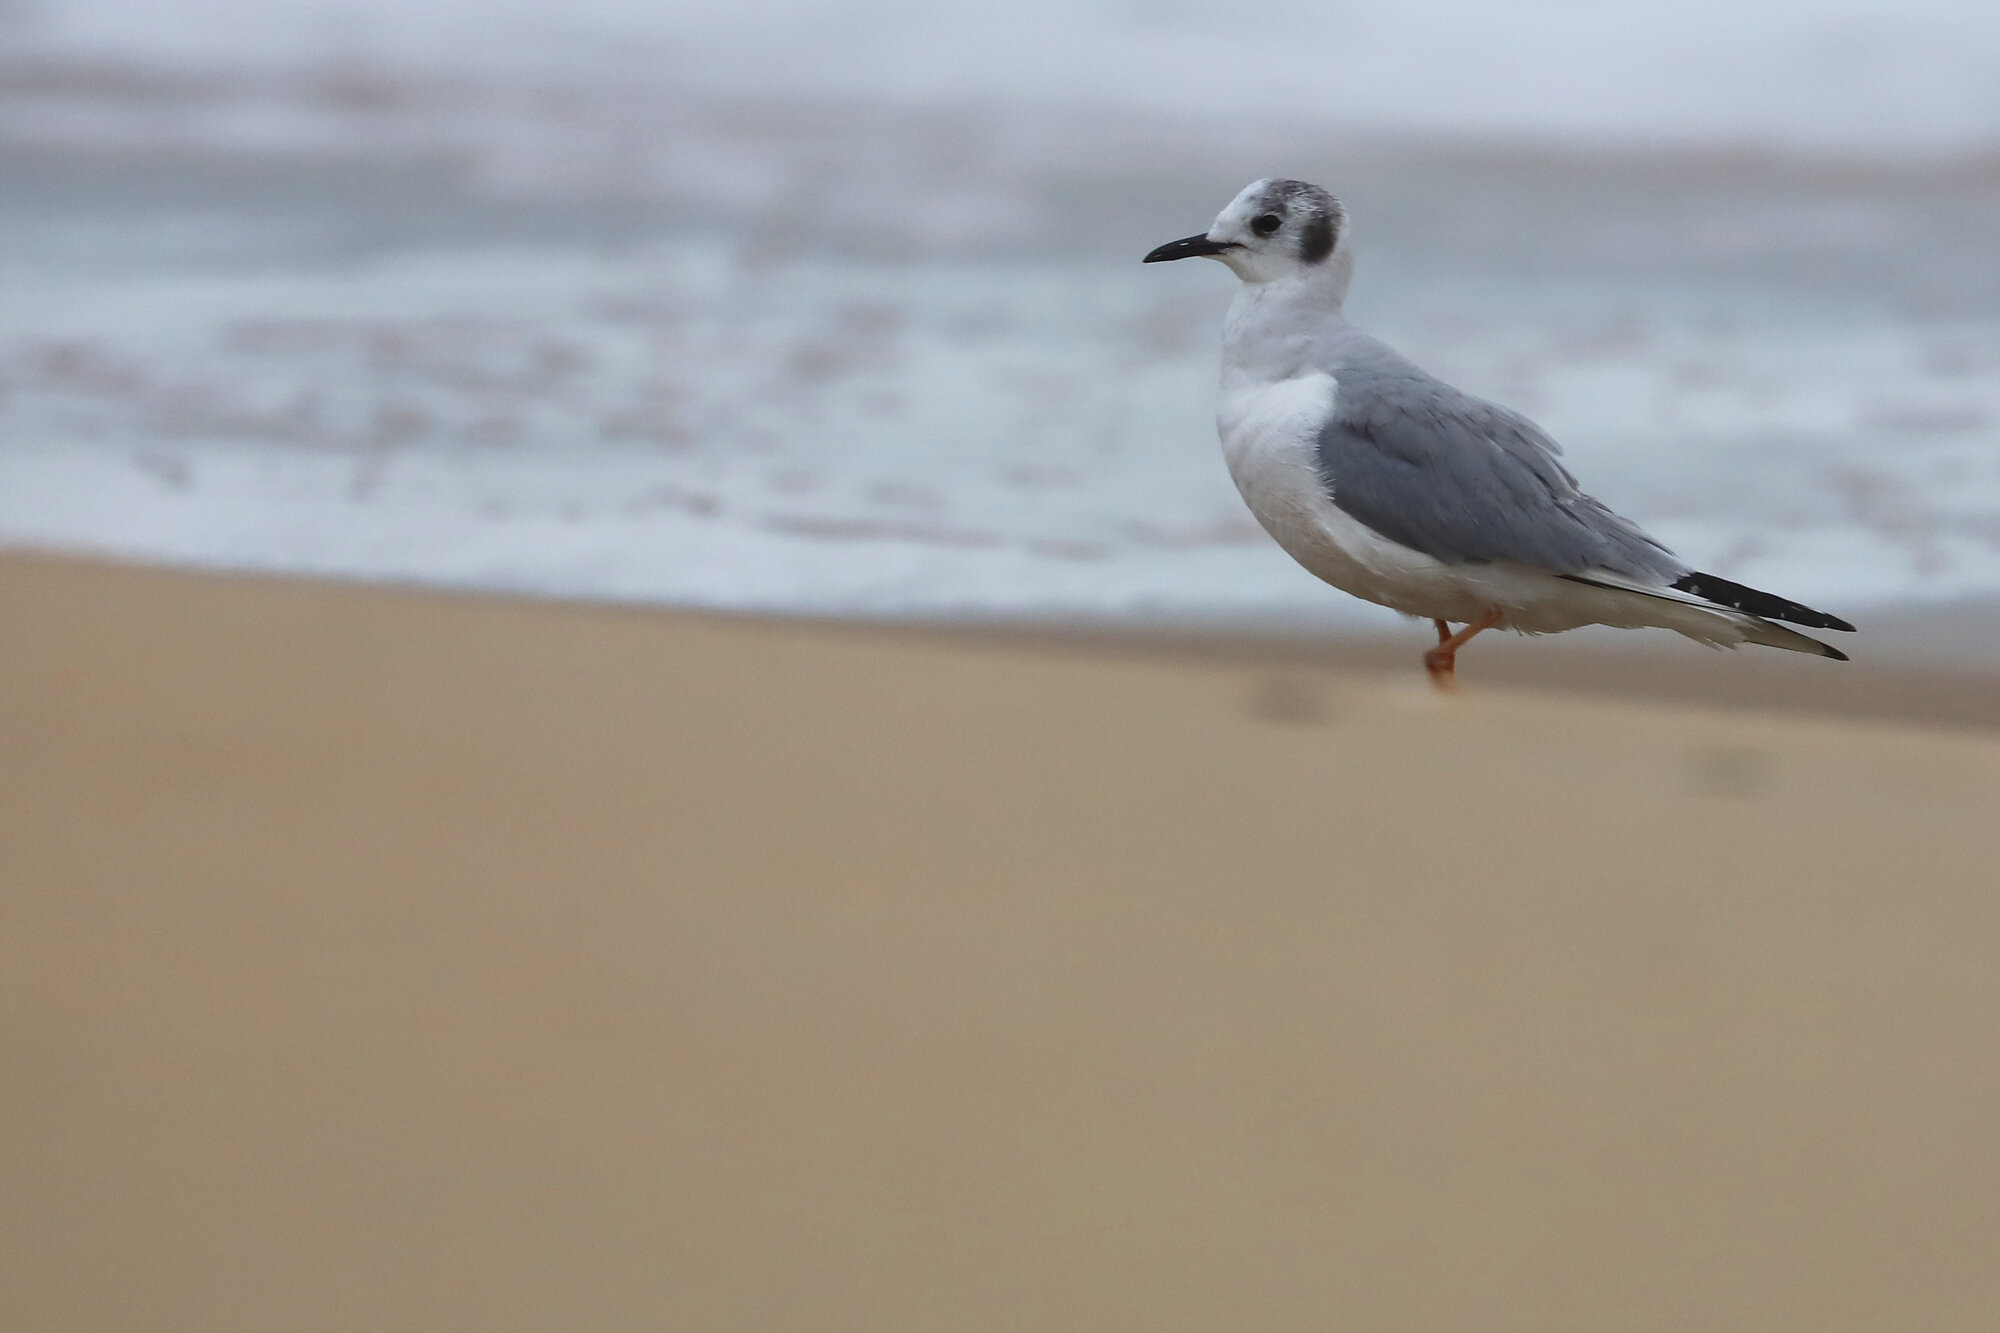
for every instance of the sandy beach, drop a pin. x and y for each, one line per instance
(375, 959)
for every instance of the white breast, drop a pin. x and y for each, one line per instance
(1270, 435)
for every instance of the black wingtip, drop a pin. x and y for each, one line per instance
(1771, 607)
(1828, 650)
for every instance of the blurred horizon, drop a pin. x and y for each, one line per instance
(1846, 76)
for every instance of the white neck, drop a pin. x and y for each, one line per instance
(1271, 325)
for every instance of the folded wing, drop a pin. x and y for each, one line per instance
(1468, 482)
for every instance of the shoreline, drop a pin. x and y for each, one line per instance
(1931, 676)
(1653, 667)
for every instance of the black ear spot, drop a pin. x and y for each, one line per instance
(1316, 241)
(1267, 224)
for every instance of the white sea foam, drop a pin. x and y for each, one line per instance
(846, 437)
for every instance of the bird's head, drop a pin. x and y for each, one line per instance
(1275, 229)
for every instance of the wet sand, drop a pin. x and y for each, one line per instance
(393, 961)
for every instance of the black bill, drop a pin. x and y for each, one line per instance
(1187, 248)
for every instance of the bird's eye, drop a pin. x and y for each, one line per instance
(1267, 224)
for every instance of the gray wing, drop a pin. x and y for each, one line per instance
(1466, 481)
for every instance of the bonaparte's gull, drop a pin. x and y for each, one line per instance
(1393, 486)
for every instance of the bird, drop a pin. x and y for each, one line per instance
(1400, 489)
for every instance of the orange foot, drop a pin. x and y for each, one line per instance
(1442, 661)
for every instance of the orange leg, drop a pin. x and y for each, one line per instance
(1442, 661)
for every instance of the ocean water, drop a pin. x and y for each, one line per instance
(836, 354)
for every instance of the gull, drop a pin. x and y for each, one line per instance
(1396, 487)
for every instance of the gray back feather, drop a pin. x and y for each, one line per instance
(1461, 479)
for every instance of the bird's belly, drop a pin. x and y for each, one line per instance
(1270, 434)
